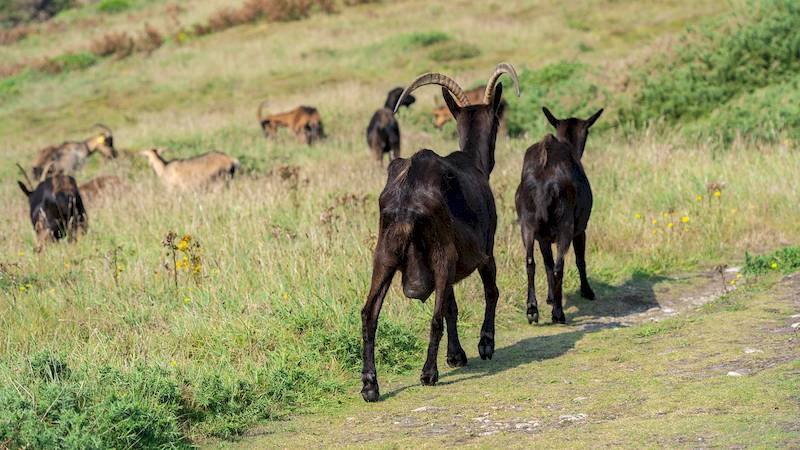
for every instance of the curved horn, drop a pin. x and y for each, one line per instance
(435, 78)
(104, 128)
(25, 175)
(45, 170)
(498, 71)
(260, 109)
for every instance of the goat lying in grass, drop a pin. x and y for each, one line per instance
(437, 226)
(304, 121)
(554, 202)
(71, 156)
(383, 132)
(195, 172)
(99, 186)
(56, 209)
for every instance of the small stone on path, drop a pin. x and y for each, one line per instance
(734, 374)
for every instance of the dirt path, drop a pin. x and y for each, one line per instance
(649, 365)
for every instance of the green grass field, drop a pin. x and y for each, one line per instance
(260, 340)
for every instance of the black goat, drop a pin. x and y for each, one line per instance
(383, 132)
(56, 209)
(554, 202)
(437, 226)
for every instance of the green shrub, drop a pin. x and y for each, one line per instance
(75, 61)
(113, 6)
(758, 46)
(563, 87)
(785, 260)
(454, 51)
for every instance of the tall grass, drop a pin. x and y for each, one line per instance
(102, 348)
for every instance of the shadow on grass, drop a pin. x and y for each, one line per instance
(613, 306)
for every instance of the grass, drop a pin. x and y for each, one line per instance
(270, 324)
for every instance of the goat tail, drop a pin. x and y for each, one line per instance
(235, 167)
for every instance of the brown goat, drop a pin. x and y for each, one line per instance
(441, 114)
(304, 121)
(554, 202)
(71, 156)
(99, 186)
(195, 172)
(437, 226)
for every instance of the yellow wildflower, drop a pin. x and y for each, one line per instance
(733, 210)
(774, 265)
(186, 300)
(733, 282)
(172, 363)
(285, 296)
(655, 221)
(685, 219)
(699, 198)
(20, 253)
(183, 244)
(197, 269)
(637, 216)
(717, 194)
(670, 225)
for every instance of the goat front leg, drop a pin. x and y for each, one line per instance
(444, 290)
(580, 261)
(456, 357)
(381, 280)
(488, 273)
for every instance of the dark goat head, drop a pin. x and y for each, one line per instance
(572, 131)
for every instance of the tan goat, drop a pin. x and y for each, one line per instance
(70, 156)
(195, 172)
(304, 121)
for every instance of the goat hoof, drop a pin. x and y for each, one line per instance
(486, 348)
(458, 359)
(370, 394)
(588, 293)
(370, 391)
(429, 378)
(533, 315)
(559, 318)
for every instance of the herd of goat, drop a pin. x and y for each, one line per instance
(437, 213)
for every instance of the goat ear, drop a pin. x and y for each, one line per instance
(24, 188)
(594, 118)
(452, 105)
(497, 98)
(550, 117)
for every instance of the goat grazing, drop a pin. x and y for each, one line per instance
(383, 132)
(56, 209)
(69, 157)
(554, 202)
(437, 226)
(197, 171)
(441, 114)
(304, 121)
(96, 187)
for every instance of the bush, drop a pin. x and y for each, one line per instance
(14, 12)
(113, 6)
(117, 44)
(759, 46)
(454, 51)
(785, 260)
(67, 62)
(564, 87)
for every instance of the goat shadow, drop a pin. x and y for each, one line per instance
(613, 305)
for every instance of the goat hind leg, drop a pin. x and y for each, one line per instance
(580, 261)
(558, 276)
(444, 290)
(456, 357)
(488, 273)
(530, 266)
